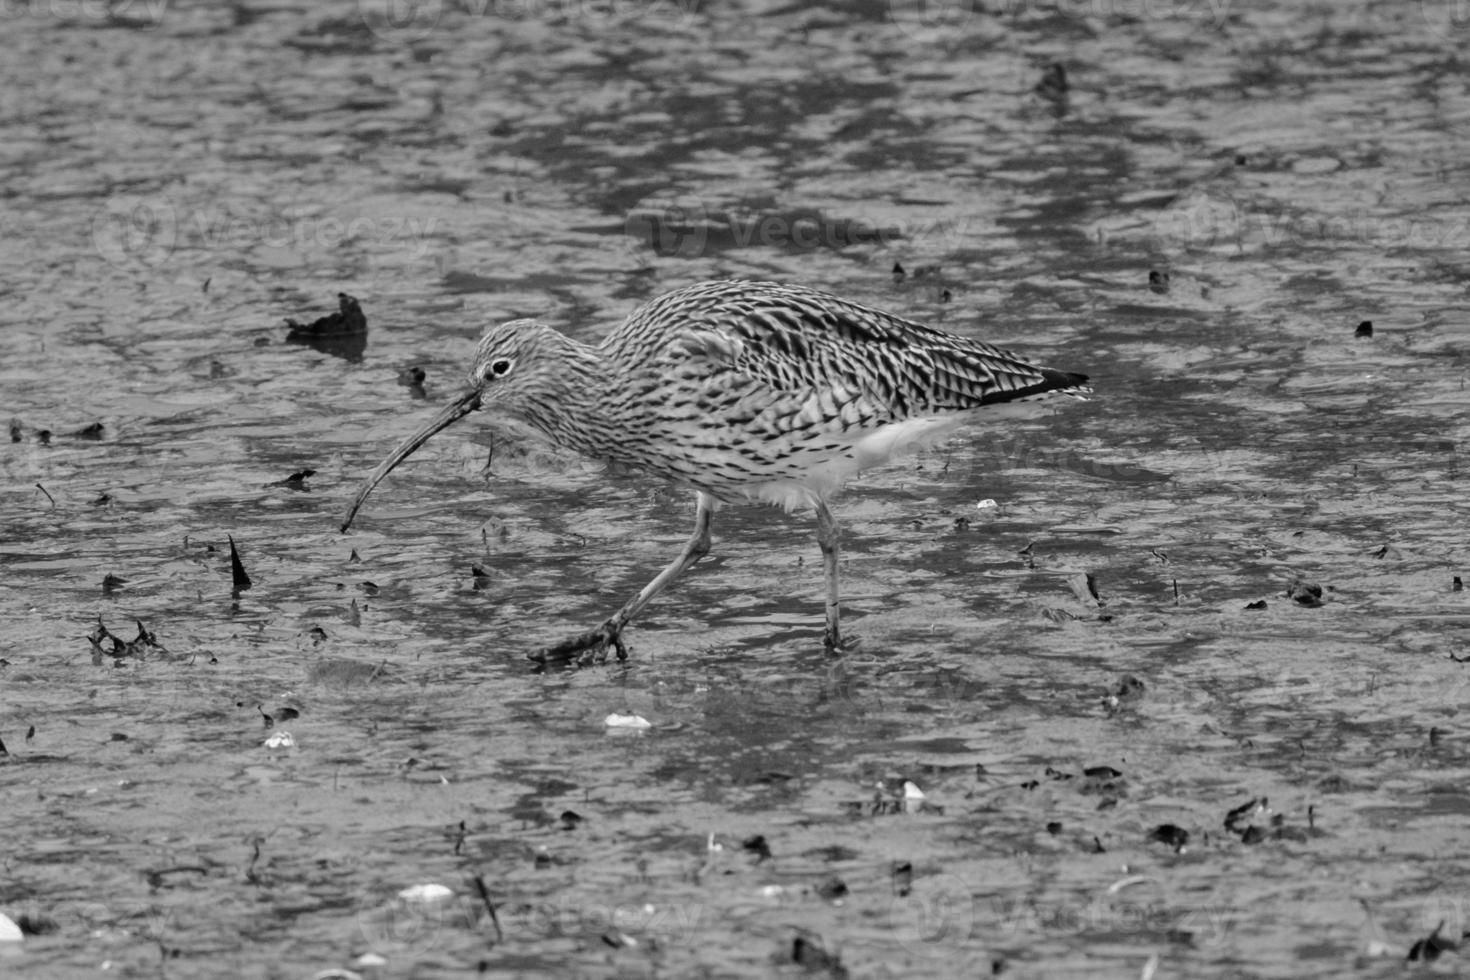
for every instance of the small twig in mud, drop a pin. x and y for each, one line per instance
(48, 495)
(489, 907)
(250, 874)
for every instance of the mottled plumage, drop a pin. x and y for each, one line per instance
(741, 391)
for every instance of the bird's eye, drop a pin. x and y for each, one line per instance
(498, 368)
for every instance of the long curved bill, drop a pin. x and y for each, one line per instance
(467, 402)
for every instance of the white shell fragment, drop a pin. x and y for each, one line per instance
(913, 797)
(281, 740)
(426, 893)
(629, 722)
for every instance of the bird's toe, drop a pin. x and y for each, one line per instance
(586, 648)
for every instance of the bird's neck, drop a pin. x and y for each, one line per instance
(564, 407)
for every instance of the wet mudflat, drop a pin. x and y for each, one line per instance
(1243, 758)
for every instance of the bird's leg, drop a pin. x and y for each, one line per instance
(592, 645)
(827, 536)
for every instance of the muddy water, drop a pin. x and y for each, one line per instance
(180, 179)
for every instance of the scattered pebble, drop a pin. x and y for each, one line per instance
(809, 954)
(630, 722)
(1053, 85)
(296, 481)
(9, 931)
(758, 846)
(618, 939)
(1365, 329)
(903, 878)
(1129, 689)
(833, 889)
(1315, 165)
(138, 647)
(1429, 948)
(1304, 593)
(1167, 833)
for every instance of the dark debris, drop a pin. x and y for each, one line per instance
(342, 334)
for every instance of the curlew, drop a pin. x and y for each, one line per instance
(743, 392)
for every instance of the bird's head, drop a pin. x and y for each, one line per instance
(514, 363)
(517, 366)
